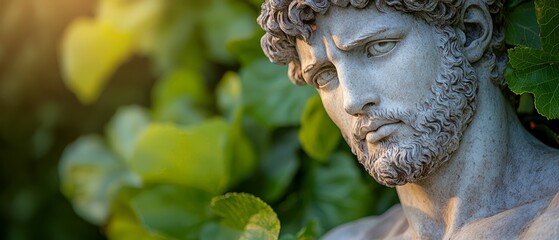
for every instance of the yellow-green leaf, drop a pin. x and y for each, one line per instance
(247, 214)
(91, 52)
(141, 18)
(194, 157)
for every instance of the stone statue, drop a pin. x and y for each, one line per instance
(417, 89)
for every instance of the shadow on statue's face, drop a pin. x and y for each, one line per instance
(399, 89)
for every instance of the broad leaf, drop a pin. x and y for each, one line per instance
(319, 135)
(270, 97)
(248, 215)
(91, 176)
(243, 157)
(229, 94)
(139, 18)
(91, 52)
(124, 128)
(521, 27)
(225, 21)
(332, 193)
(278, 167)
(124, 223)
(537, 70)
(172, 211)
(194, 157)
(181, 98)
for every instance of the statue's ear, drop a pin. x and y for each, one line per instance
(475, 29)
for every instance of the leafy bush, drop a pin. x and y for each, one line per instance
(223, 119)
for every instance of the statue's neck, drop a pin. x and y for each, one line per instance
(478, 180)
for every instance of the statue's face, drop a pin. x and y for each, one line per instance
(377, 73)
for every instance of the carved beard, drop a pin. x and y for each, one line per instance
(438, 123)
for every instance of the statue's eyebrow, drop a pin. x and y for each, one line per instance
(360, 40)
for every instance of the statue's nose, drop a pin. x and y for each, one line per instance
(358, 92)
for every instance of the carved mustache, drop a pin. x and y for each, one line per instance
(373, 120)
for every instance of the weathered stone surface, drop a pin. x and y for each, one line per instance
(416, 89)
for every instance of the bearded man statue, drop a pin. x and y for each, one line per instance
(417, 89)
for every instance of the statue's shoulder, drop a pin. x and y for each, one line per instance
(391, 223)
(546, 224)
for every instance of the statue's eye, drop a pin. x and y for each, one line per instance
(324, 77)
(380, 48)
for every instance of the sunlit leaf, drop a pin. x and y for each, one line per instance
(229, 93)
(91, 52)
(125, 225)
(139, 18)
(270, 97)
(194, 157)
(172, 211)
(124, 128)
(319, 135)
(248, 215)
(91, 176)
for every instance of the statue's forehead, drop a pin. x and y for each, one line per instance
(344, 24)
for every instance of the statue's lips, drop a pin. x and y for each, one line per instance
(377, 130)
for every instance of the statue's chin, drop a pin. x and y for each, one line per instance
(396, 165)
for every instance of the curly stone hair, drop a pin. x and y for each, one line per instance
(287, 20)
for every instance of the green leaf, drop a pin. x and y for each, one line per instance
(270, 97)
(310, 232)
(181, 82)
(278, 167)
(91, 176)
(225, 21)
(247, 50)
(124, 128)
(91, 53)
(124, 223)
(514, 3)
(172, 211)
(247, 214)
(229, 94)
(139, 18)
(319, 135)
(521, 27)
(537, 70)
(181, 97)
(243, 156)
(332, 193)
(194, 157)
(547, 13)
(216, 231)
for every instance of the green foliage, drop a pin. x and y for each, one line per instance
(91, 176)
(223, 119)
(536, 70)
(319, 135)
(247, 215)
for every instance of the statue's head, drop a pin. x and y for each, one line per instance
(398, 77)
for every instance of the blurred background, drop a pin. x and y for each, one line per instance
(39, 117)
(67, 67)
(94, 94)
